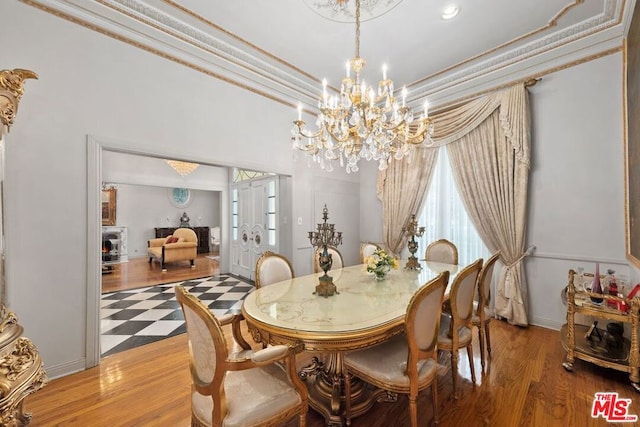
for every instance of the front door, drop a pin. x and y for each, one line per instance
(254, 223)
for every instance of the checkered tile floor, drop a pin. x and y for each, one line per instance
(141, 316)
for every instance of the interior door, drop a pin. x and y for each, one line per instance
(254, 208)
(242, 223)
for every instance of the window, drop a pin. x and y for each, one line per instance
(240, 175)
(271, 212)
(234, 214)
(445, 217)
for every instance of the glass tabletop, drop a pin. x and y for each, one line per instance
(362, 303)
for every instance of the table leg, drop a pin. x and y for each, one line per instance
(325, 382)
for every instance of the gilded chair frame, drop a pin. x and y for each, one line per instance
(318, 251)
(261, 259)
(458, 321)
(224, 364)
(415, 354)
(441, 242)
(480, 319)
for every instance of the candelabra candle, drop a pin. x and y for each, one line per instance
(325, 235)
(412, 230)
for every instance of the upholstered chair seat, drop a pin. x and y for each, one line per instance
(445, 337)
(407, 363)
(253, 395)
(240, 389)
(482, 312)
(181, 246)
(455, 328)
(388, 361)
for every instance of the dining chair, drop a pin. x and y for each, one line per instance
(271, 268)
(237, 389)
(482, 312)
(441, 251)
(455, 328)
(407, 363)
(215, 239)
(336, 258)
(367, 249)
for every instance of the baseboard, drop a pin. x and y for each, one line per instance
(64, 369)
(546, 323)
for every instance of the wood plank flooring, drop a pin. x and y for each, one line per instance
(138, 273)
(524, 385)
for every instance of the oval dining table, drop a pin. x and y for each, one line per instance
(364, 312)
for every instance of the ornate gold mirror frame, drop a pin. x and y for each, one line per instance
(108, 206)
(22, 372)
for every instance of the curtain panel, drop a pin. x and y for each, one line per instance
(489, 145)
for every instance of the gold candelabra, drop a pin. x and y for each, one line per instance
(325, 235)
(411, 230)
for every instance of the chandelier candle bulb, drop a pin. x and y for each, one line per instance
(404, 95)
(324, 92)
(299, 111)
(384, 71)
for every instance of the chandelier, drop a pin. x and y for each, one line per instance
(361, 123)
(183, 168)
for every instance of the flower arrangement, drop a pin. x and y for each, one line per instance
(380, 263)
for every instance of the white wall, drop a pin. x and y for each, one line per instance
(143, 183)
(91, 84)
(312, 188)
(142, 208)
(576, 192)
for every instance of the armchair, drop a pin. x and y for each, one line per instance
(246, 388)
(181, 246)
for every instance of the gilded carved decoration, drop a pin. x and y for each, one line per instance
(21, 368)
(11, 90)
(16, 362)
(8, 318)
(21, 374)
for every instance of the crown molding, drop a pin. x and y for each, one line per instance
(176, 33)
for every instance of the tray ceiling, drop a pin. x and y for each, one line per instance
(282, 49)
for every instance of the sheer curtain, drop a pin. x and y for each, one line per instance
(491, 164)
(444, 217)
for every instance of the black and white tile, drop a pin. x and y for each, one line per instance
(141, 316)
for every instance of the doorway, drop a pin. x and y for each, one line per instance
(97, 148)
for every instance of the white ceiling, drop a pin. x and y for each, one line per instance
(282, 48)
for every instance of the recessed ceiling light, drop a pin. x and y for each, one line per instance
(450, 12)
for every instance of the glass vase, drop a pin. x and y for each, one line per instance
(381, 272)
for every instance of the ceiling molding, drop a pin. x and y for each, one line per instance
(176, 33)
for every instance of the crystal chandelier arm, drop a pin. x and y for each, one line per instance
(301, 130)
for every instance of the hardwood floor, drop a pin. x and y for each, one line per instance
(524, 385)
(138, 273)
